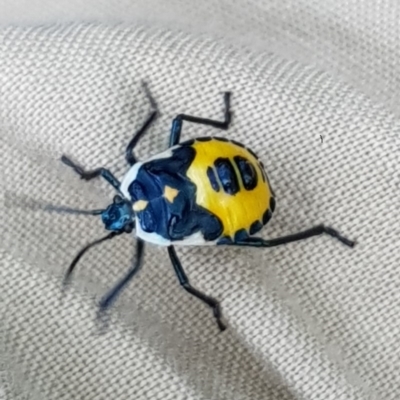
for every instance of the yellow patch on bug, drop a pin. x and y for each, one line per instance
(237, 211)
(140, 205)
(170, 193)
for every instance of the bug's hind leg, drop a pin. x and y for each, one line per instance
(88, 175)
(129, 156)
(184, 281)
(177, 122)
(315, 231)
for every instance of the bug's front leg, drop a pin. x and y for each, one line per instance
(88, 175)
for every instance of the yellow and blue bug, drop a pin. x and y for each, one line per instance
(205, 191)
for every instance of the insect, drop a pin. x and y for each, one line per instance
(204, 191)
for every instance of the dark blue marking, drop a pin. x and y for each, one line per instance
(198, 219)
(247, 172)
(187, 142)
(181, 218)
(255, 227)
(212, 224)
(177, 164)
(272, 204)
(204, 139)
(240, 235)
(148, 220)
(213, 179)
(221, 139)
(266, 216)
(227, 175)
(225, 240)
(137, 192)
(144, 188)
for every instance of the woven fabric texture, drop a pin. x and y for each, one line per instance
(312, 320)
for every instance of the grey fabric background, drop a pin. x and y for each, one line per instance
(313, 320)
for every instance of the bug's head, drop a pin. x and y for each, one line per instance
(119, 216)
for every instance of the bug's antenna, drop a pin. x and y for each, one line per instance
(18, 201)
(67, 210)
(84, 250)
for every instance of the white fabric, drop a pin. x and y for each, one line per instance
(312, 320)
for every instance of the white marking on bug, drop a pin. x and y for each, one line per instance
(165, 154)
(196, 239)
(129, 178)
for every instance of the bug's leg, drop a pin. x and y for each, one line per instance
(108, 299)
(184, 281)
(88, 175)
(315, 231)
(129, 156)
(83, 251)
(177, 122)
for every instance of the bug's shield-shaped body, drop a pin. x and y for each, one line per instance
(203, 191)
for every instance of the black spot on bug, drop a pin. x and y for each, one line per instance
(238, 144)
(213, 179)
(241, 235)
(204, 139)
(252, 153)
(263, 173)
(227, 176)
(266, 216)
(255, 227)
(221, 139)
(272, 204)
(247, 172)
(225, 240)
